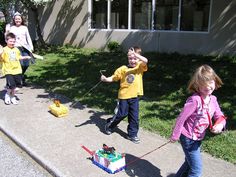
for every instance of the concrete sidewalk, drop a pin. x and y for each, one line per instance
(55, 143)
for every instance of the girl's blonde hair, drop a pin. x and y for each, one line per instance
(201, 77)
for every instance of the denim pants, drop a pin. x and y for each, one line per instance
(24, 63)
(192, 166)
(130, 108)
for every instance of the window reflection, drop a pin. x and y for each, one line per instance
(119, 14)
(99, 14)
(142, 14)
(166, 15)
(174, 15)
(195, 15)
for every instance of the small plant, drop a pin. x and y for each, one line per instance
(113, 46)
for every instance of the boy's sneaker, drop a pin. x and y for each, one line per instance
(17, 89)
(108, 129)
(134, 139)
(7, 99)
(13, 100)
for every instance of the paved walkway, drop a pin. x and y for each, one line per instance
(55, 143)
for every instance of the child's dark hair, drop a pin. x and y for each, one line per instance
(10, 35)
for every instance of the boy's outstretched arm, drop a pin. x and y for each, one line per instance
(106, 79)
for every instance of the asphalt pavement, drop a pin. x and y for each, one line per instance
(16, 163)
(55, 143)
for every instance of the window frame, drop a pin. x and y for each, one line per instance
(129, 29)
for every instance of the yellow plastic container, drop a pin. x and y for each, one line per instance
(58, 109)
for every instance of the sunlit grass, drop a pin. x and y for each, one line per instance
(73, 72)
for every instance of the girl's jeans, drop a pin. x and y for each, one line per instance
(24, 63)
(192, 167)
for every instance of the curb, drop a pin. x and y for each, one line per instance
(46, 165)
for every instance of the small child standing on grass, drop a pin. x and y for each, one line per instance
(196, 117)
(131, 87)
(10, 59)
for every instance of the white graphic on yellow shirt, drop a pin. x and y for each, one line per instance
(12, 56)
(130, 78)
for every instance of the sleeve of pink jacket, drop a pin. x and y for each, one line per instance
(189, 108)
(218, 113)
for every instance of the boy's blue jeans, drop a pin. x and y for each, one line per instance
(192, 166)
(130, 108)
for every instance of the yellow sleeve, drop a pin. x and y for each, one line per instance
(118, 73)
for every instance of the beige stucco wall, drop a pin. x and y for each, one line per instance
(66, 21)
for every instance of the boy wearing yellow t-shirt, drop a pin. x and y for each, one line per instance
(10, 59)
(131, 87)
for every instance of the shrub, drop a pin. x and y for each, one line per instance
(114, 46)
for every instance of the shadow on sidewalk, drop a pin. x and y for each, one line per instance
(100, 122)
(140, 167)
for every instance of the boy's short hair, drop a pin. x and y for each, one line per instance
(10, 36)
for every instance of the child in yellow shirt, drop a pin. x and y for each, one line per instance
(131, 87)
(10, 59)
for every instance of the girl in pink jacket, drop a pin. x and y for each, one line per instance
(196, 117)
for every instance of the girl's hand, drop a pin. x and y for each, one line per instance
(172, 141)
(25, 57)
(217, 128)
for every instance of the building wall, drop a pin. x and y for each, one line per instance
(66, 22)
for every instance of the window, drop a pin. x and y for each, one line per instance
(168, 15)
(119, 14)
(142, 14)
(194, 15)
(99, 14)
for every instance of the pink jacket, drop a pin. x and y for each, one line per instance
(193, 120)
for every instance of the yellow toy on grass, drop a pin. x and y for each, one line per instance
(58, 109)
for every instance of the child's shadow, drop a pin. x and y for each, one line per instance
(140, 167)
(96, 118)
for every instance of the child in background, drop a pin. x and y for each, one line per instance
(10, 59)
(131, 87)
(23, 41)
(195, 117)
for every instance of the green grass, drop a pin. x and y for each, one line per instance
(72, 72)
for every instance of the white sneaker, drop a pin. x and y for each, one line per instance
(7, 99)
(13, 100)
(17, 89)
